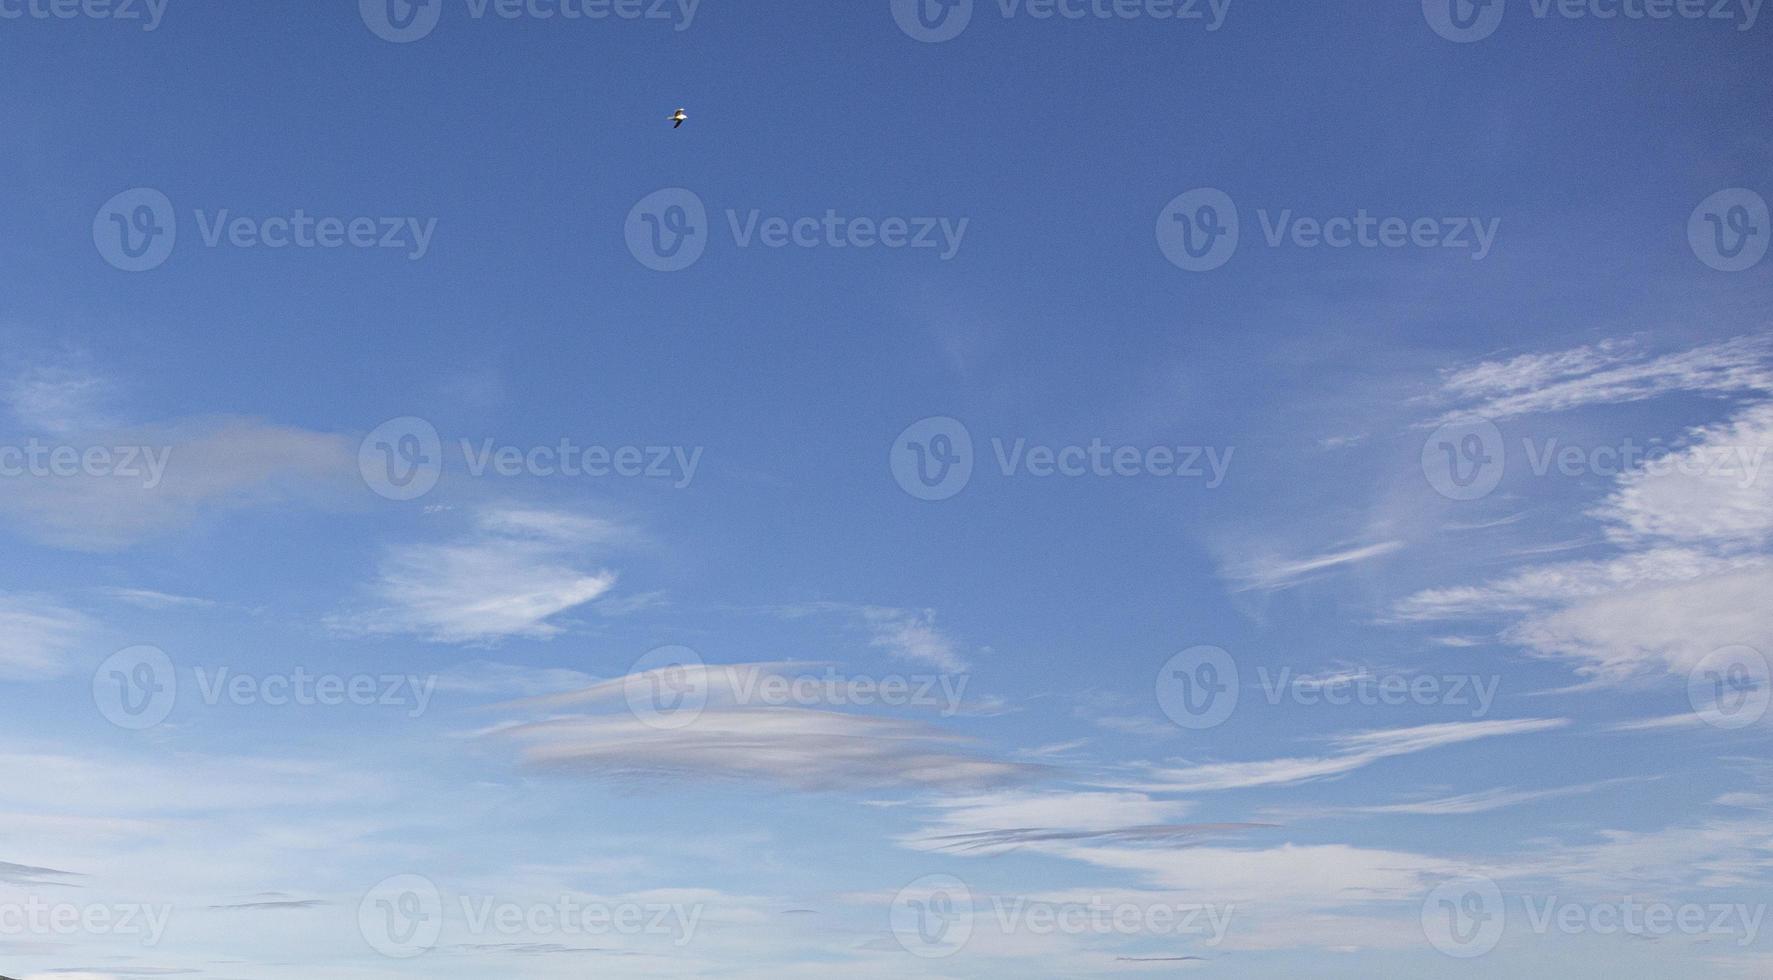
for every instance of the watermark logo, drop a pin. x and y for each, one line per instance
(1729, 230)
(1198, 688)
(299, 229)
(573, 916)
(1645, 920)
(1731, 687)
(301, 688)
(1465, 460)
(668, 230)
(39, 460)
(135, 230)
(135, 688)
(751, 685)
(405, 21)
(668, 688)
(933, 21)
(1100, 917)
(402, 917)
(1369, 688)
(1464, 21)
(149, 12)
(1198, 231)
(1465, 918)
(932, 917)
(402, 459)
(34, 918)
(401, 21)
(933, 458)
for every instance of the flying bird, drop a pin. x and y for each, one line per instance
(677, 118)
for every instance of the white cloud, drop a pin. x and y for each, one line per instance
(38, 637)
(1713, 854)
(151, 599)
(1321, 875)
(1057, 810)
(1715, 491)
(913, 636)
(909, 634)
(1281, 573)
(1482, 801)
(1609, 373)
(1011, 819)
(1692, 575)
(1623, 634)
(514, 572)
(1356, 751)
(57, 399)
(163, 477)
(795, 747)
(1546, 586)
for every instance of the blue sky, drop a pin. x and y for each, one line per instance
(943, 550)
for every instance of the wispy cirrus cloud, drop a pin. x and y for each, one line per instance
(1283, 573)
(38, 637)
(59, 398)
(1608, 373)
(274, 905)
(159, 478)
(24, 874)
(509, 575)
(151, 599)
(1352, 752)
(1482, 801)
(1011, 819)
(799, 748)
(908, 634)
(144, 479)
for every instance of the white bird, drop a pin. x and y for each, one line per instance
(677, 118)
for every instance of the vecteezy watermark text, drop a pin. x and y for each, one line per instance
(135, 231)
(1370, 689)
(148, 12)
(933, 459)
(1200, 230)
(671, 686)
(669, 230)
(35, 918)
(405, 21)
(935, 21)
(403, 459)
(936, 916)
(1200, 688)
(403, 917)
(138, 687)
(40, 460)
(1466, 21)
(1466, 918)
(1467, 459)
